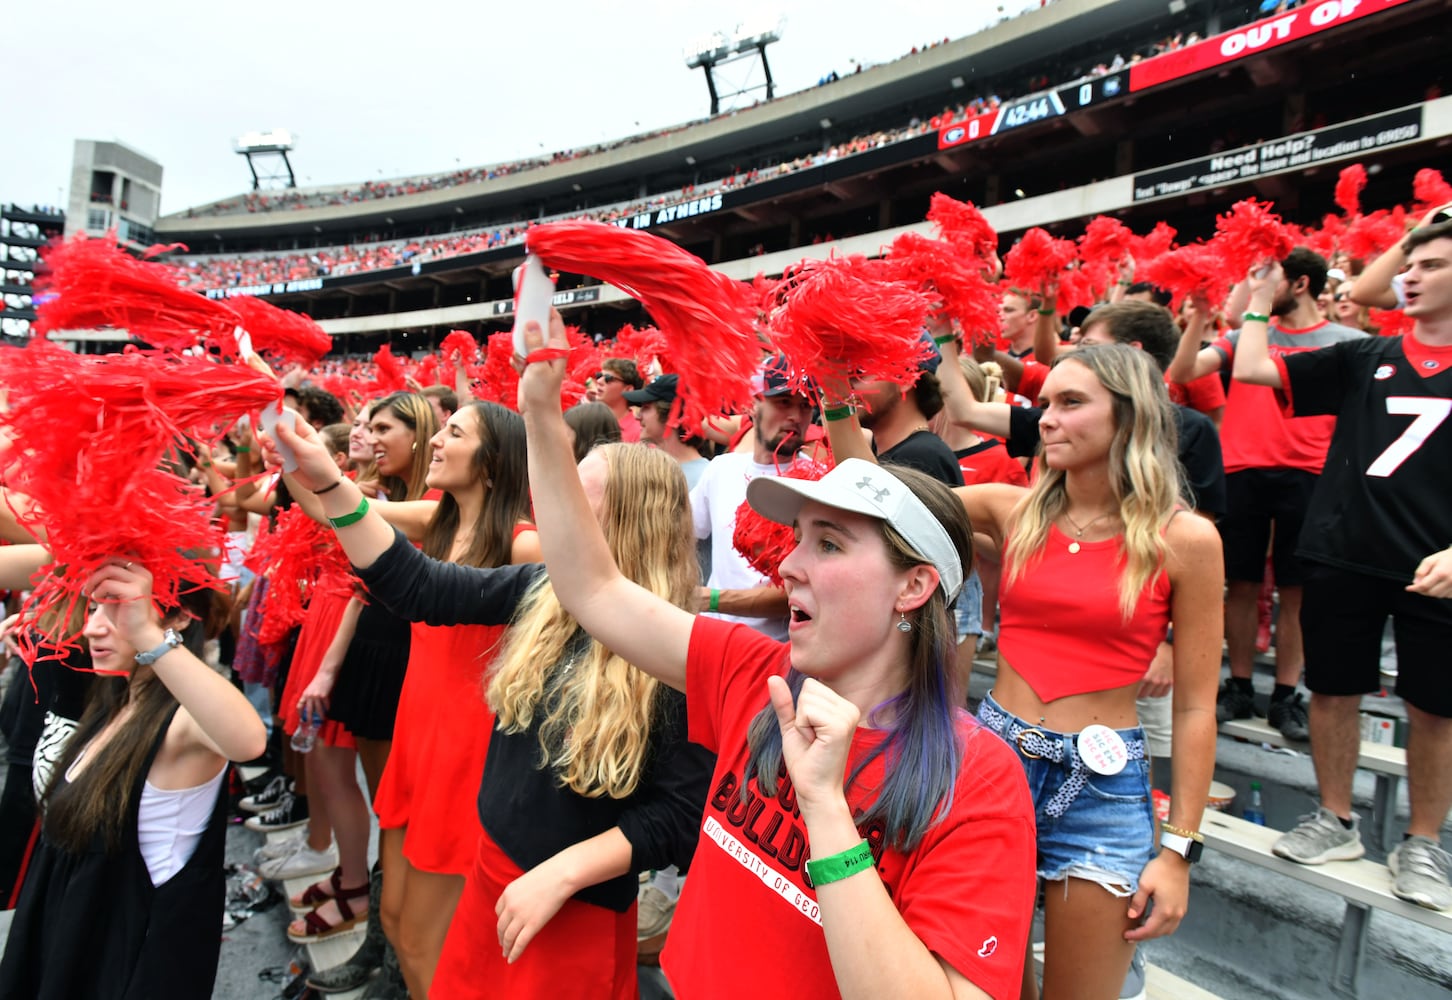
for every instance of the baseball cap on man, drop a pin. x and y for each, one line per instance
(865, 488)
(662, 390)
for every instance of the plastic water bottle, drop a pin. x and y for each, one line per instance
(305, 737)
(1255, 811)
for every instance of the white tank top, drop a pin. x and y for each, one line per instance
(171, 822)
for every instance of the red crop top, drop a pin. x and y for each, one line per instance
(1060, 626)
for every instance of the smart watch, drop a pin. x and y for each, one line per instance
(1186, 847)
(169, 641)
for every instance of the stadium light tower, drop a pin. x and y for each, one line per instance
(272, 148)
(748, 41)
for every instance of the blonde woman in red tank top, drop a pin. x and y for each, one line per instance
(1098, 559)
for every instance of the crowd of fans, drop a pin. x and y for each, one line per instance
(570, 717)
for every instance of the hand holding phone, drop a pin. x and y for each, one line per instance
(534, 292)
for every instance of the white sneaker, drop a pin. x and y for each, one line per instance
(304, 861)
(282, 846)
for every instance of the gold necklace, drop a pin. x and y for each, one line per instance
(1079, 532)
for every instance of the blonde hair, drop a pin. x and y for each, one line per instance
(1144, 471)
(983, 378)
(598, 710)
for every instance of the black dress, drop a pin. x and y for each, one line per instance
(370, 678)
(93, 926)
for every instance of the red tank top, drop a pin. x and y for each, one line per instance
(1060, 626)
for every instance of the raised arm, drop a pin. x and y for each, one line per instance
(644, 629)
(1191, 361)
(18, 563)
(219, 720)
(963, 408)
(1253, 362)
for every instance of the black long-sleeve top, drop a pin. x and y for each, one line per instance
(522, 806)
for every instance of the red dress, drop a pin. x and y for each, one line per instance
(431, 782)
(320, 625)
(585, 952)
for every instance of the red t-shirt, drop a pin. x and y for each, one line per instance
(1255, 433)
(966, 890)
(990, 462)
(629, 429)
(1031, 382)
(1206, 393)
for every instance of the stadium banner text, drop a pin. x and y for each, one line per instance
(1293, 152)
(570, 297)
(1267, 33)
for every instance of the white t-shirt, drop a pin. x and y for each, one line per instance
(718, 494)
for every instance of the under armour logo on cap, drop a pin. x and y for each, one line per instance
(878, 494)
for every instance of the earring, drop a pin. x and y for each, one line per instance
(903, 625)
(414, 446)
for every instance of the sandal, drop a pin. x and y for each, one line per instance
(318, 893)
(316, 928)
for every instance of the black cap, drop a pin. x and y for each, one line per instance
(774, 379)
(662, 390)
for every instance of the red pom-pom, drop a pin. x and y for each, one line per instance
(845, 318)
(763, 543)
(1370, 236)
(581, 365)
(1037, 260)
(1391, 322)
(459, 348)
(1246, 235)
(1106, 242)
(388, 373)
(963, 225)
(1326, 240)
(1430, 191)
(349, 391)
(300, 557)
(426, 373)
(89, 434)
(643, 346)
(1188, 271)
(280, 332)
(499, 382)
(1349, 185)
(1076, 289)
(708, 319)
(93, 284)
(1156, 243)
(953, 280)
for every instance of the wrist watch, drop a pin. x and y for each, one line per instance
(169, 641)
(1186, 847)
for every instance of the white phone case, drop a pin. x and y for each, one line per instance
(533, 294)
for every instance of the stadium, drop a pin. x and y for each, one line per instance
(1025, 119)
(1145, 111)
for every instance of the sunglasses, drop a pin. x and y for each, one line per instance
(1340, 296)
(1443, 214)
(607, 378)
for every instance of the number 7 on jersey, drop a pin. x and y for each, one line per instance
(1429, 415)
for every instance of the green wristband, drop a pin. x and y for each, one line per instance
(1255, 318)
(715, 599)
(353, 518)
(1047, 312)
(241, 449)
(945, 338)
(839, 866)
(837, 412)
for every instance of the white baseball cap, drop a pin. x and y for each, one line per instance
(865, 488)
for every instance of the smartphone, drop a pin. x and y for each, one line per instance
(272, 415)
(533, 294)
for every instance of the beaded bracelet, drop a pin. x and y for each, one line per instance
(1194, 835)
(839, 866)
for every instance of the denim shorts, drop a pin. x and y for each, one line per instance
(1106, 835)
(968, 612)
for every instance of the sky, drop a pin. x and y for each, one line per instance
(372, 89)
